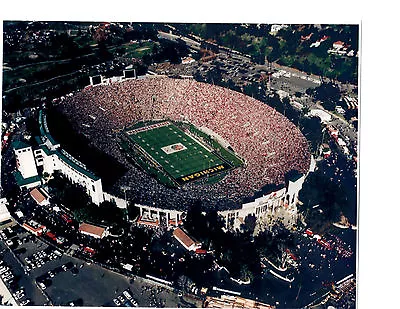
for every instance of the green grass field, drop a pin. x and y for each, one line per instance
(190, 161)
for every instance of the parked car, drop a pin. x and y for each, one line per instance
(8, 278)
(25, 302)
(134, 303)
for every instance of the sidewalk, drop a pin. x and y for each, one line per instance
(7, 297)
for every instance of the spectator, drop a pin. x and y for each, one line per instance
(270, 144)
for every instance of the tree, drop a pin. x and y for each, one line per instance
(109, 212)
(249, 223)
(329, 94)
(312, 129)
(103, 53)
(214, 75)
(72, 195)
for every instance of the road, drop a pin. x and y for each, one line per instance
(42, 82)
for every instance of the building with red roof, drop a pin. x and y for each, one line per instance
(34, 227)
(40, 197)
(338, 44)
(92, 230)
(185, 240)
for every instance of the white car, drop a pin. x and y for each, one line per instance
(134, 303)
(19, 291)
(116, 301)
(3, 270)
(7, 273)
(9, 278)
(42, 285)
(127, 294)
(24, 302)
(9, 242)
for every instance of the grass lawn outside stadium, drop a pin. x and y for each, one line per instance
(182, 156)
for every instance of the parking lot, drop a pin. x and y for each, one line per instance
(19, 278)
(42, 275)
(49, 277)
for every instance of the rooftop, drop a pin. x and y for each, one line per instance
(19, 145)
(37, 196)
(183, 237)
(91, 229)
(71, 163)
(21, 181)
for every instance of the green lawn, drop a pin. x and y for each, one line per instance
(192, 162)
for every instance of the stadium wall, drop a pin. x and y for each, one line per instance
(260, 207)
(120, 202)
(171, 216)
(92, 185)
(284, 199)
(52, 158)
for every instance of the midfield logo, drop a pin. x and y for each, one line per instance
(173, 148)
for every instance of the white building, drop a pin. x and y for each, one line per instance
(53, 158)
(25, 160)
(4, 213)
(280, 201)
(151, 215)
(275, 28)
(26, 174)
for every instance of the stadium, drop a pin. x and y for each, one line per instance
(185, 141)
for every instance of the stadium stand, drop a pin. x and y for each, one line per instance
(269, 143)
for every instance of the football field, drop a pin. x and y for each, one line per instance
(180, 155)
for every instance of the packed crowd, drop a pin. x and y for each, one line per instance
(270, 144)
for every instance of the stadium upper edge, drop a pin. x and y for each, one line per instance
(270, 144)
